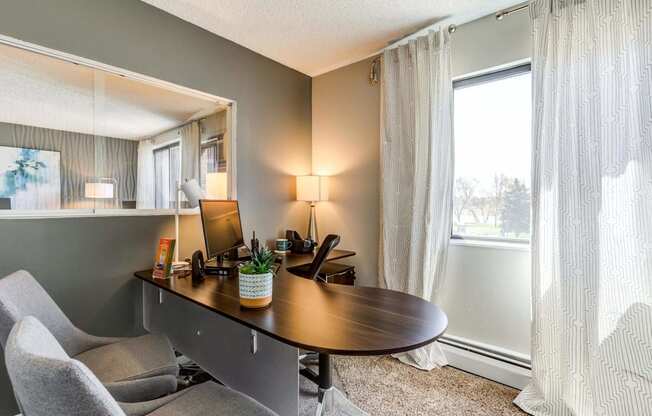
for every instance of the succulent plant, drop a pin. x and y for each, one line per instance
(261, 262)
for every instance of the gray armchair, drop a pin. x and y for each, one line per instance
(47, 382)
(133, 369)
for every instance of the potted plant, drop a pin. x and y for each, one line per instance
(255, 279)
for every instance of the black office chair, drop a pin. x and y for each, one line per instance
(311, 270)
(322, 271)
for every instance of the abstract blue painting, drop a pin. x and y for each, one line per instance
(30, 178)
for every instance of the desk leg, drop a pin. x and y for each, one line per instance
(331, 401)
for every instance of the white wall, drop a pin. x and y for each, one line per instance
(487, 291)
(487, 294)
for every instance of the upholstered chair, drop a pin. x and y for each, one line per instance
(133, 369)
(47, 382)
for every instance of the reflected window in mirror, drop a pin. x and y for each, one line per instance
(167, 169)
(71, 127)
(212, 158)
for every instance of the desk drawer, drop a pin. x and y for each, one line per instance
(224, 349)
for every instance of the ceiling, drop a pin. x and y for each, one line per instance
(42, 91)
(316, 36)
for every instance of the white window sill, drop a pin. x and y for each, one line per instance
(90, 213)
(499, 245)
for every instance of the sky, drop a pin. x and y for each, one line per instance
(492, 130)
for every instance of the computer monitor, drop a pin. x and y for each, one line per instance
(222, 226)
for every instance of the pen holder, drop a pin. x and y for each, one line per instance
(255, 289)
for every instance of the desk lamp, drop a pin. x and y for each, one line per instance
(312, 189)
(193, 192)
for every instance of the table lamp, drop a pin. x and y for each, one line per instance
(216, 185)
(99, 188)
(312, 189)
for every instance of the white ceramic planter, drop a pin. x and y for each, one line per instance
(256, 289)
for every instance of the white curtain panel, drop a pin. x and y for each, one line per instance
(592, 209)
(145, 188)
(190, 151)
(417, 174)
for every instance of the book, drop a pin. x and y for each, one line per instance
(164, 255)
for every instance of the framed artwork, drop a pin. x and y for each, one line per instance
(30, 178)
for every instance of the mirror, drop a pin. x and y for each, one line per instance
(74, 136)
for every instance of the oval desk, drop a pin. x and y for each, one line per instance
(256, 351)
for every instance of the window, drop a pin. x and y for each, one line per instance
(167, 169)
(212, 158)
(492, 156)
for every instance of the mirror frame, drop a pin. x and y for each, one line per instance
(231, 123)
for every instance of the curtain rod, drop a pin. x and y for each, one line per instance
(506, 12)
(452, 28)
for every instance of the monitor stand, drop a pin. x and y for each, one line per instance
(222, 265)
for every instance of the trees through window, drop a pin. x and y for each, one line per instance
(493, 156)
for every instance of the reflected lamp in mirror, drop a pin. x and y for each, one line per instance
(216, 185)
(99, 188)
(312, 189)
(193, 192)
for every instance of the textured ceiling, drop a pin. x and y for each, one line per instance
(316, 36)
(37, 90)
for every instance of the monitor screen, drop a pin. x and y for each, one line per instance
(222, 227)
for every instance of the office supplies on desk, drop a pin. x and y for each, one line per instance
(255, 245)
(283, 245)
(299, 245)
(197, 266)
(164, 254)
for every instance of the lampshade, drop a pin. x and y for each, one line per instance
(98, 190)
(312, 188)
(216, 185)
(193, 192)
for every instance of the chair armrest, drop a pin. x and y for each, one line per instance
(141, 390)
(88, 342)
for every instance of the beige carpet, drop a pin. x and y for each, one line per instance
(383, 386)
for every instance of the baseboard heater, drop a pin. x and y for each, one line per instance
(486, 351)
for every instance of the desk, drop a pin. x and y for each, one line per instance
(256, 351)
(292, 260)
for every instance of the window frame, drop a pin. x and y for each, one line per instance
(479, 79)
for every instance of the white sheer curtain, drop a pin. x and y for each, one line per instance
(190, 151)
(417, 174)
(145, 197)
(592, 209)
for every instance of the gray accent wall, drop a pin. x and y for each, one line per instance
(87, 263)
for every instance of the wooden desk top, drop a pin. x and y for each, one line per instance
(327, 318)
